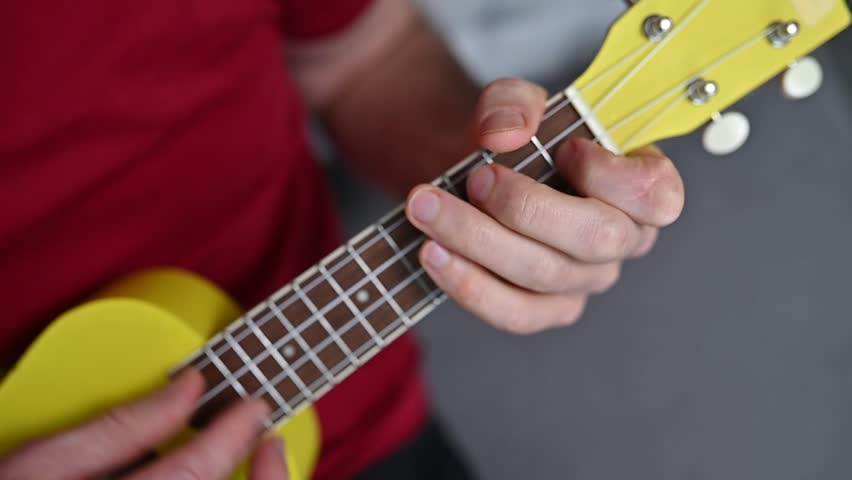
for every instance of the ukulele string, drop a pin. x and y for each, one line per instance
(451, 185)
(693, 13)
(682, 86)
(432, 296)
(472, 165)
(678, 88)
(290, 336)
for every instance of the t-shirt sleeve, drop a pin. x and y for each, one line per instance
(304, 19)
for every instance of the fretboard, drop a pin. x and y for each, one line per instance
(313, 333)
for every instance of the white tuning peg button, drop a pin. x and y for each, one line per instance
(802, 79)
(726, 133)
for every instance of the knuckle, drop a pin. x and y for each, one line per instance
(609, 239)
(553, 276)
(480, 236)
(468, 291)
(662, 191)
(117, 421)
(120, 419)
(526, 215)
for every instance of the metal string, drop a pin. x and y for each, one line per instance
(434, 296)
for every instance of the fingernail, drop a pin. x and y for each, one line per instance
(425, 206)
(502, 120)
(480, 184)
(436, 256)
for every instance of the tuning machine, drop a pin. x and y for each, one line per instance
(726, 133)
(802, 79)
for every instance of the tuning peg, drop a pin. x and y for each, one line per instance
(726, 133)
(802, 79)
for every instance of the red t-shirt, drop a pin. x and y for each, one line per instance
(140, 134)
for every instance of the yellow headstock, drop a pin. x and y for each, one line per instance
(636, 90)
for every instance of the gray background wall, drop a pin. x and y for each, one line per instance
(724, 354)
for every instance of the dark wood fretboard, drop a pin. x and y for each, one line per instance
(314, 332)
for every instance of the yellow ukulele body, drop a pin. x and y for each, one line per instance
(119, 346)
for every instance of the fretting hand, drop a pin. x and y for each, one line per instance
(525, 257)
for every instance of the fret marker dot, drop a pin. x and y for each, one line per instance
(289, 351)
(362, 296)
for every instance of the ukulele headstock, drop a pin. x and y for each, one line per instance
(668, 66)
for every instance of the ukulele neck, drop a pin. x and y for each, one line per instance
(317, 330)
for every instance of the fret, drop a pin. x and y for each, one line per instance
(223, 369)
(399, 237)
(384, 264)
(318, 316)
(516, 160)
(443, 182)
(284, 353)
(437, 294)
(395, 328)
(233, 382)
(542, 151)
(369, 273)
(460, 176)
(287, 383)
(357, 287)
(554, 181)
(390, 262)
(392, 323)
(365, 282)
(307, 332)
(311, 334)
(556, 104)
(391, 221)
(560, 124)
(534, 166)
(246, 361)
(280, 363)
(216, 344)
(326, 313)
(219, 394)
(279, 314)
(263, 383)
(362, 321)
(409, 264)
(487, 157)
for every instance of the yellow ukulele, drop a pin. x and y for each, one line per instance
(666, 68)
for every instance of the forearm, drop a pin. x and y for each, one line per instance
(406, 119)
(403, 113)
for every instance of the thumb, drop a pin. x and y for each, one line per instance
(509, 114)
